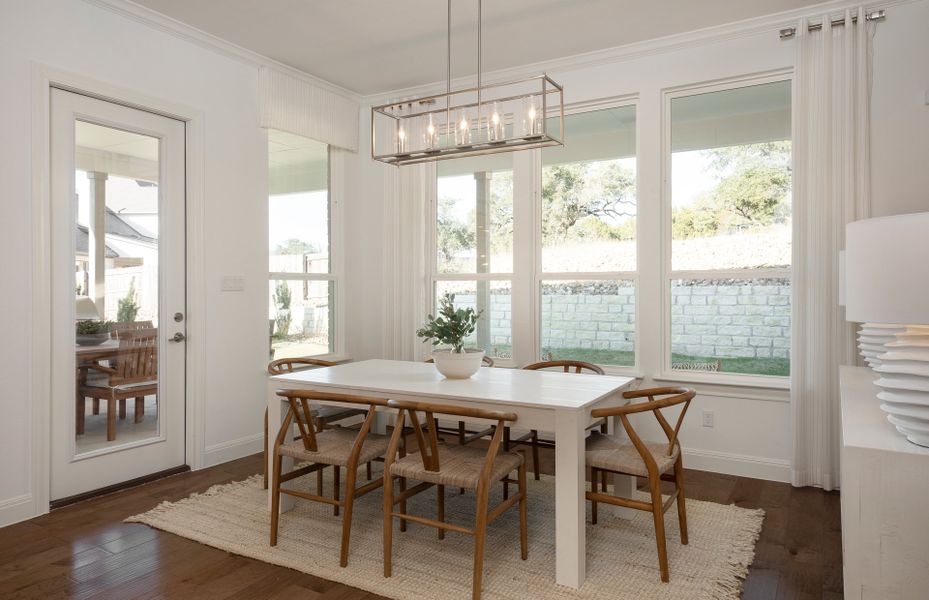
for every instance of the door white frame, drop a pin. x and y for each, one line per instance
(44, 78)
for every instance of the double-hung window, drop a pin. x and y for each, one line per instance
(587, 241)
(473, 244)
(729, 221)
(302, 286)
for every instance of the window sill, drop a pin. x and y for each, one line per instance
(731, 380)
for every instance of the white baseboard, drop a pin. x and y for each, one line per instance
(16, 509)
(742, 465)
(218, 454)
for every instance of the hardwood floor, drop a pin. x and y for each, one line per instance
(86, 551)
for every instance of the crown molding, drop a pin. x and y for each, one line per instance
(771, 23)
(181, 30)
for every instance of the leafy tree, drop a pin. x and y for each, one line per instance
(296, 246)
(575, 192)
(127, 307)
(755, 194)
(282, 315)
(452, 235)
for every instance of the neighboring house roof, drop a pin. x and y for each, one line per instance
(115, 225)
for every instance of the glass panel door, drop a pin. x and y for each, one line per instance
(118, 270)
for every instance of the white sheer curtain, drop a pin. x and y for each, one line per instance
(407, 195)
(832, 89)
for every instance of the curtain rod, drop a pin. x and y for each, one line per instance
(876, 15)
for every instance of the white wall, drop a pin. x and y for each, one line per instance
(78, 37)
(900, 112)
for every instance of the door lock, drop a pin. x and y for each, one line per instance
(178, 317)
(178, 337)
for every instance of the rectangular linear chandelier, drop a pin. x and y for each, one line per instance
(500, 117)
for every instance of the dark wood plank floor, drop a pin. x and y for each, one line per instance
(86, 551)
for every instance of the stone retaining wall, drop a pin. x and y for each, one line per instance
(709, 318)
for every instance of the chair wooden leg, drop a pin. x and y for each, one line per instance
(336, 474)
(594, 481)
(535, 454)
(604, 427)
(110, 419)
(122, 409)
(523, 514)
(264, 469)
(506, 448)
(461, 433)
(603, 482)
(96, 406)
(480, 536)
(368, 470)
(350, 475)
(440, 512)
(80, 407)
(275, 498)
(319, 482)
(139, 413)
(681, 507)
(388, 522)
(402, 504)
(658, 514)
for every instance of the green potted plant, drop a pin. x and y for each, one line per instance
(92, 333)
(450, 328)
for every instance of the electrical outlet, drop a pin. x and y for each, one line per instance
(708, 418)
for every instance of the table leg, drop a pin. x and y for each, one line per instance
(276, 415)
(624, 486)
(570, 505)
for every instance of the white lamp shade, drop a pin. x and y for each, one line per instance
(887, 270)
(85, 309)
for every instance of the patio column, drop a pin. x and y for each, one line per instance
(96, 240)
(482, 243)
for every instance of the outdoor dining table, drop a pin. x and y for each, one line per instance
(543, 400)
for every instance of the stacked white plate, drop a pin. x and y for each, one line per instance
(871, 340)
(904, 383)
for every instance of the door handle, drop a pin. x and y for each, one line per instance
(178, 337)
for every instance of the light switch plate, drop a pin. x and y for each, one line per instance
(232, 283)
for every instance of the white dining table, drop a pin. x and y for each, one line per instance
(543, 400)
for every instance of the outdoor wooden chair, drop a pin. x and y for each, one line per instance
(656, 461)
(337, 447)
(134, 376)
(457, 466)
(115, 330)
(324, 415)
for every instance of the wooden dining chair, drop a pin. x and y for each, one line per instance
(457, 466)
(324, 415)
(656, 461)
(317, 448)
(115, 329)
(465, 436)
(134, 376)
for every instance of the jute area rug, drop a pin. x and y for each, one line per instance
(621, 556)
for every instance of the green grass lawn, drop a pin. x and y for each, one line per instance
(751, 366)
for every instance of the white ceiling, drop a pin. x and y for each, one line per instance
(372, 46)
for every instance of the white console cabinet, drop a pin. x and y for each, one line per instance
(885, 499)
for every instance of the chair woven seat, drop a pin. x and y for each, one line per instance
(618, 454)
(333, 447)
(335, 413)
(460, 466)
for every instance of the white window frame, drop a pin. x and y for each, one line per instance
(433, 277)
(335, 190)
(526, 283)
(668, 274)
(540, 276)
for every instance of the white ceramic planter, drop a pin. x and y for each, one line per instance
(458, 366)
